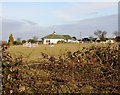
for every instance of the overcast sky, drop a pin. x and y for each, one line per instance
(59, 1)
(54, 13)
(33, 16)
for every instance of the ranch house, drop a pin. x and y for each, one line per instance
(54, 38)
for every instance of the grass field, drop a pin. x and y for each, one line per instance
(34, 54)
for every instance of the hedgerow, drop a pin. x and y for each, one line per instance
(90, 70)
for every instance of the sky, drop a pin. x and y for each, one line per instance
(56, 13)
(22, 17)
(59, 1)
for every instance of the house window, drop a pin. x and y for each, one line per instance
(48, 41)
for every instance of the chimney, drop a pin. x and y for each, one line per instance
(54, 32)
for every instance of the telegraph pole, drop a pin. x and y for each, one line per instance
(80, 36)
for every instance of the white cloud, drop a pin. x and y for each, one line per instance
(57, 15)
(91, 7)
(20, 28)
(61, 15)
(71, 13)
(25, 29)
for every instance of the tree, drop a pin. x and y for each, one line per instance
(91, 38)
(98, 33)
(18, 39)
(15, 43)
(101, 34)
(11, 40)
(35, 38)
(116, 33)
(23, 41)
(117, 39)
(32, 41)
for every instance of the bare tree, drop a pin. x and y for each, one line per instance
(18, 39)
(101, 34)
(35, 38)
(116, 33)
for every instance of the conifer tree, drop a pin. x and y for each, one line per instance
(11, 40)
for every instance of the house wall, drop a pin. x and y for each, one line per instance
(72, 41)
(54, 41)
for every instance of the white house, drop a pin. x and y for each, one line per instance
(54, 38)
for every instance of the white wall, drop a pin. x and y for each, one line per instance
(54, 41)
(72, 41)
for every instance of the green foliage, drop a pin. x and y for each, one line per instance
(32, 40)
(23, 41)
(59, 42)
(17, 43)
(11, 40)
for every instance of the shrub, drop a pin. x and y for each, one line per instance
(59, 42)
(91, 70)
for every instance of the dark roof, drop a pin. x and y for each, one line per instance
(56, 36)
(85, 39)
(117, 38)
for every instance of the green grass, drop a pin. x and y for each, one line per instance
(34, 54)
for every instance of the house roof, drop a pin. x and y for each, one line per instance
(56, 36)
(53, 36)
(98, 39)
(67, 37)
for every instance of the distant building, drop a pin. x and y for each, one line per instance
(54, 38)
(117, 39)
(98, 40)
(86, 40)
(110, 41)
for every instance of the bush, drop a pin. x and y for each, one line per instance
(17, 43)
(117, 39)
(91, 70)
(59, 42)
(11, 73)
(23, 41)
(32, 40)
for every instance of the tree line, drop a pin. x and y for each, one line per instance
(99, 33)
